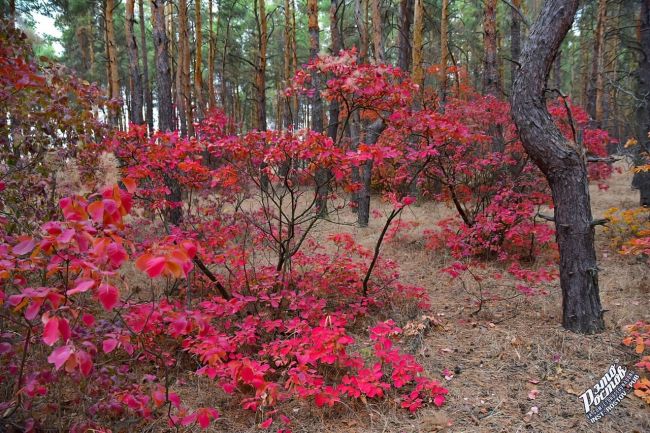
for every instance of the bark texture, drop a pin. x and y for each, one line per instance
(641, 180)
(491, 74)
(564, 165)
(515, 39)
(146, 88)
(111, 51)
(134, 64)
(404, 36)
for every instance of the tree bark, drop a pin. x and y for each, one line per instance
(134, 64)
(491, 73)
(515, 39)
(322, 175)
(212, 98)
(111, 50)
(163, 71)
(360, 22)
(378, 45)
(444, 52)
(184, 55)
(642, 179)
(404, 36)
(198, 61)
(334, 111)
(146, 89)
(600, 61)
(418, 26)
(365, 173)
(564, 165)
(260, 77)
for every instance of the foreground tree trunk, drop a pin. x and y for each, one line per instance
(564, 165)
(134, 66)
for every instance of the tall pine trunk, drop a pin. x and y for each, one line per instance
(642, 179)
(404, 35)
(515, 39)
(564, 165)
(184, 61)
(134, 64)
(165, 108)
(378, 45)
(146, 88)
(111, 51)
(322, 175)
(198, 61)
(491, 72)
(444, 52)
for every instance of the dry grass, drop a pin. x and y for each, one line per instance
(500, 352)
(499, 355)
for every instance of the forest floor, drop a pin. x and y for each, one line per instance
(500, 354)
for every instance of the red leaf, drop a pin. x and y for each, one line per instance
(96, 211)
(153, 266)
(129, 184)
(108, 296)
(51, 330)
(439, 400)
(267, 423)
(109, 345)
(82, 286)
(88, 319)
(59, 356)
(85, 362)
(116, 254)
(23, 247)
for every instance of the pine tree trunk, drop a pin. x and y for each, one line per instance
(365, 172)
(418, 27)
(333, 127)
(111, 50)
(564, 165)
(260, 77)
(378, 45)
(557, 71)
(642, 179)
(600, 61)
(515, 39)
(134, 64)
(165, 107)
(360, 22)
(198, 62)
(491, 73)
(404, 36)
(212, 98)
(444, 52)
(146, 89)
(163, 71)
(184, 61)
(322, 175)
